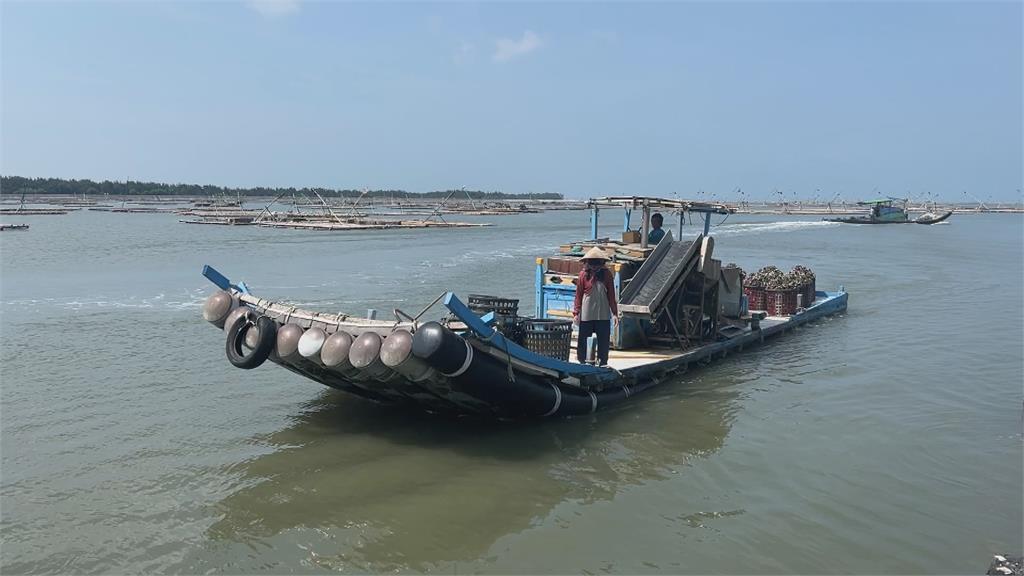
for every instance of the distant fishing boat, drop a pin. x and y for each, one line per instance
(679, 307)
(885, 211)
(4, 227)
(932, 218)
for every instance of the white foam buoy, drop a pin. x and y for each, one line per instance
(311, 342)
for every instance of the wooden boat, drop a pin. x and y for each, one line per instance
(673, 316)
(884, 211)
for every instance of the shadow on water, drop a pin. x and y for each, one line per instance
(351, 485)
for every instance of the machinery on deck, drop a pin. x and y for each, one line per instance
(669, 293)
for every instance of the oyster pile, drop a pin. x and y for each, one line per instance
(771, 278)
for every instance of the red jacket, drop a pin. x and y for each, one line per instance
(583, 284)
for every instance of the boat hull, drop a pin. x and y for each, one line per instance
(863, 220)
(469, 368)
(929, 221)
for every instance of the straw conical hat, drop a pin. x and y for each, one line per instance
(595, 253)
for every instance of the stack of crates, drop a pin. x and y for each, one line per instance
(506, 314)
(755, 298)
(810, 293)
(781, 302)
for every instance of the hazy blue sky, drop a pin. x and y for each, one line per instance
(579, 98)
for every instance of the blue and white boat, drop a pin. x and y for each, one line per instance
(678, 308)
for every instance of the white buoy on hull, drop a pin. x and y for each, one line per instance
(310, 344)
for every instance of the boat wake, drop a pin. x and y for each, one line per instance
(187, 300)
(754, 228)
(426, 267)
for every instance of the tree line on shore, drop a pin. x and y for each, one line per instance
(18, 185)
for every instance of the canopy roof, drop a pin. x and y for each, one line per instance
(884, 200)
(630, 202)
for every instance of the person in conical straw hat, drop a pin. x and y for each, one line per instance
(595, 305)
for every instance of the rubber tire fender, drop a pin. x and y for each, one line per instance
(268, 336)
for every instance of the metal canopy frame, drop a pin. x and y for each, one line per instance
(630, 202)
(645, 203)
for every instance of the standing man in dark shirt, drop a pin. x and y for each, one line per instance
(656, 233)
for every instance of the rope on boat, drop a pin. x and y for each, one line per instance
(269, 313)
(508, 354)
(508, 359)
(264, 311)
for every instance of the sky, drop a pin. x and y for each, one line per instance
(728, 100)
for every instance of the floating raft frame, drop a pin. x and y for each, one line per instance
(36, 211)
(368, 225)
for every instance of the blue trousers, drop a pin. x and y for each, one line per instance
(603, 329)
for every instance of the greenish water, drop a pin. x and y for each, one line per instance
(887, 440)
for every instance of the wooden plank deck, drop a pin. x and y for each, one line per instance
(639, 359)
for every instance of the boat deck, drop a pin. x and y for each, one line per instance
(622, 360)
(646, 363)
(634, 364)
